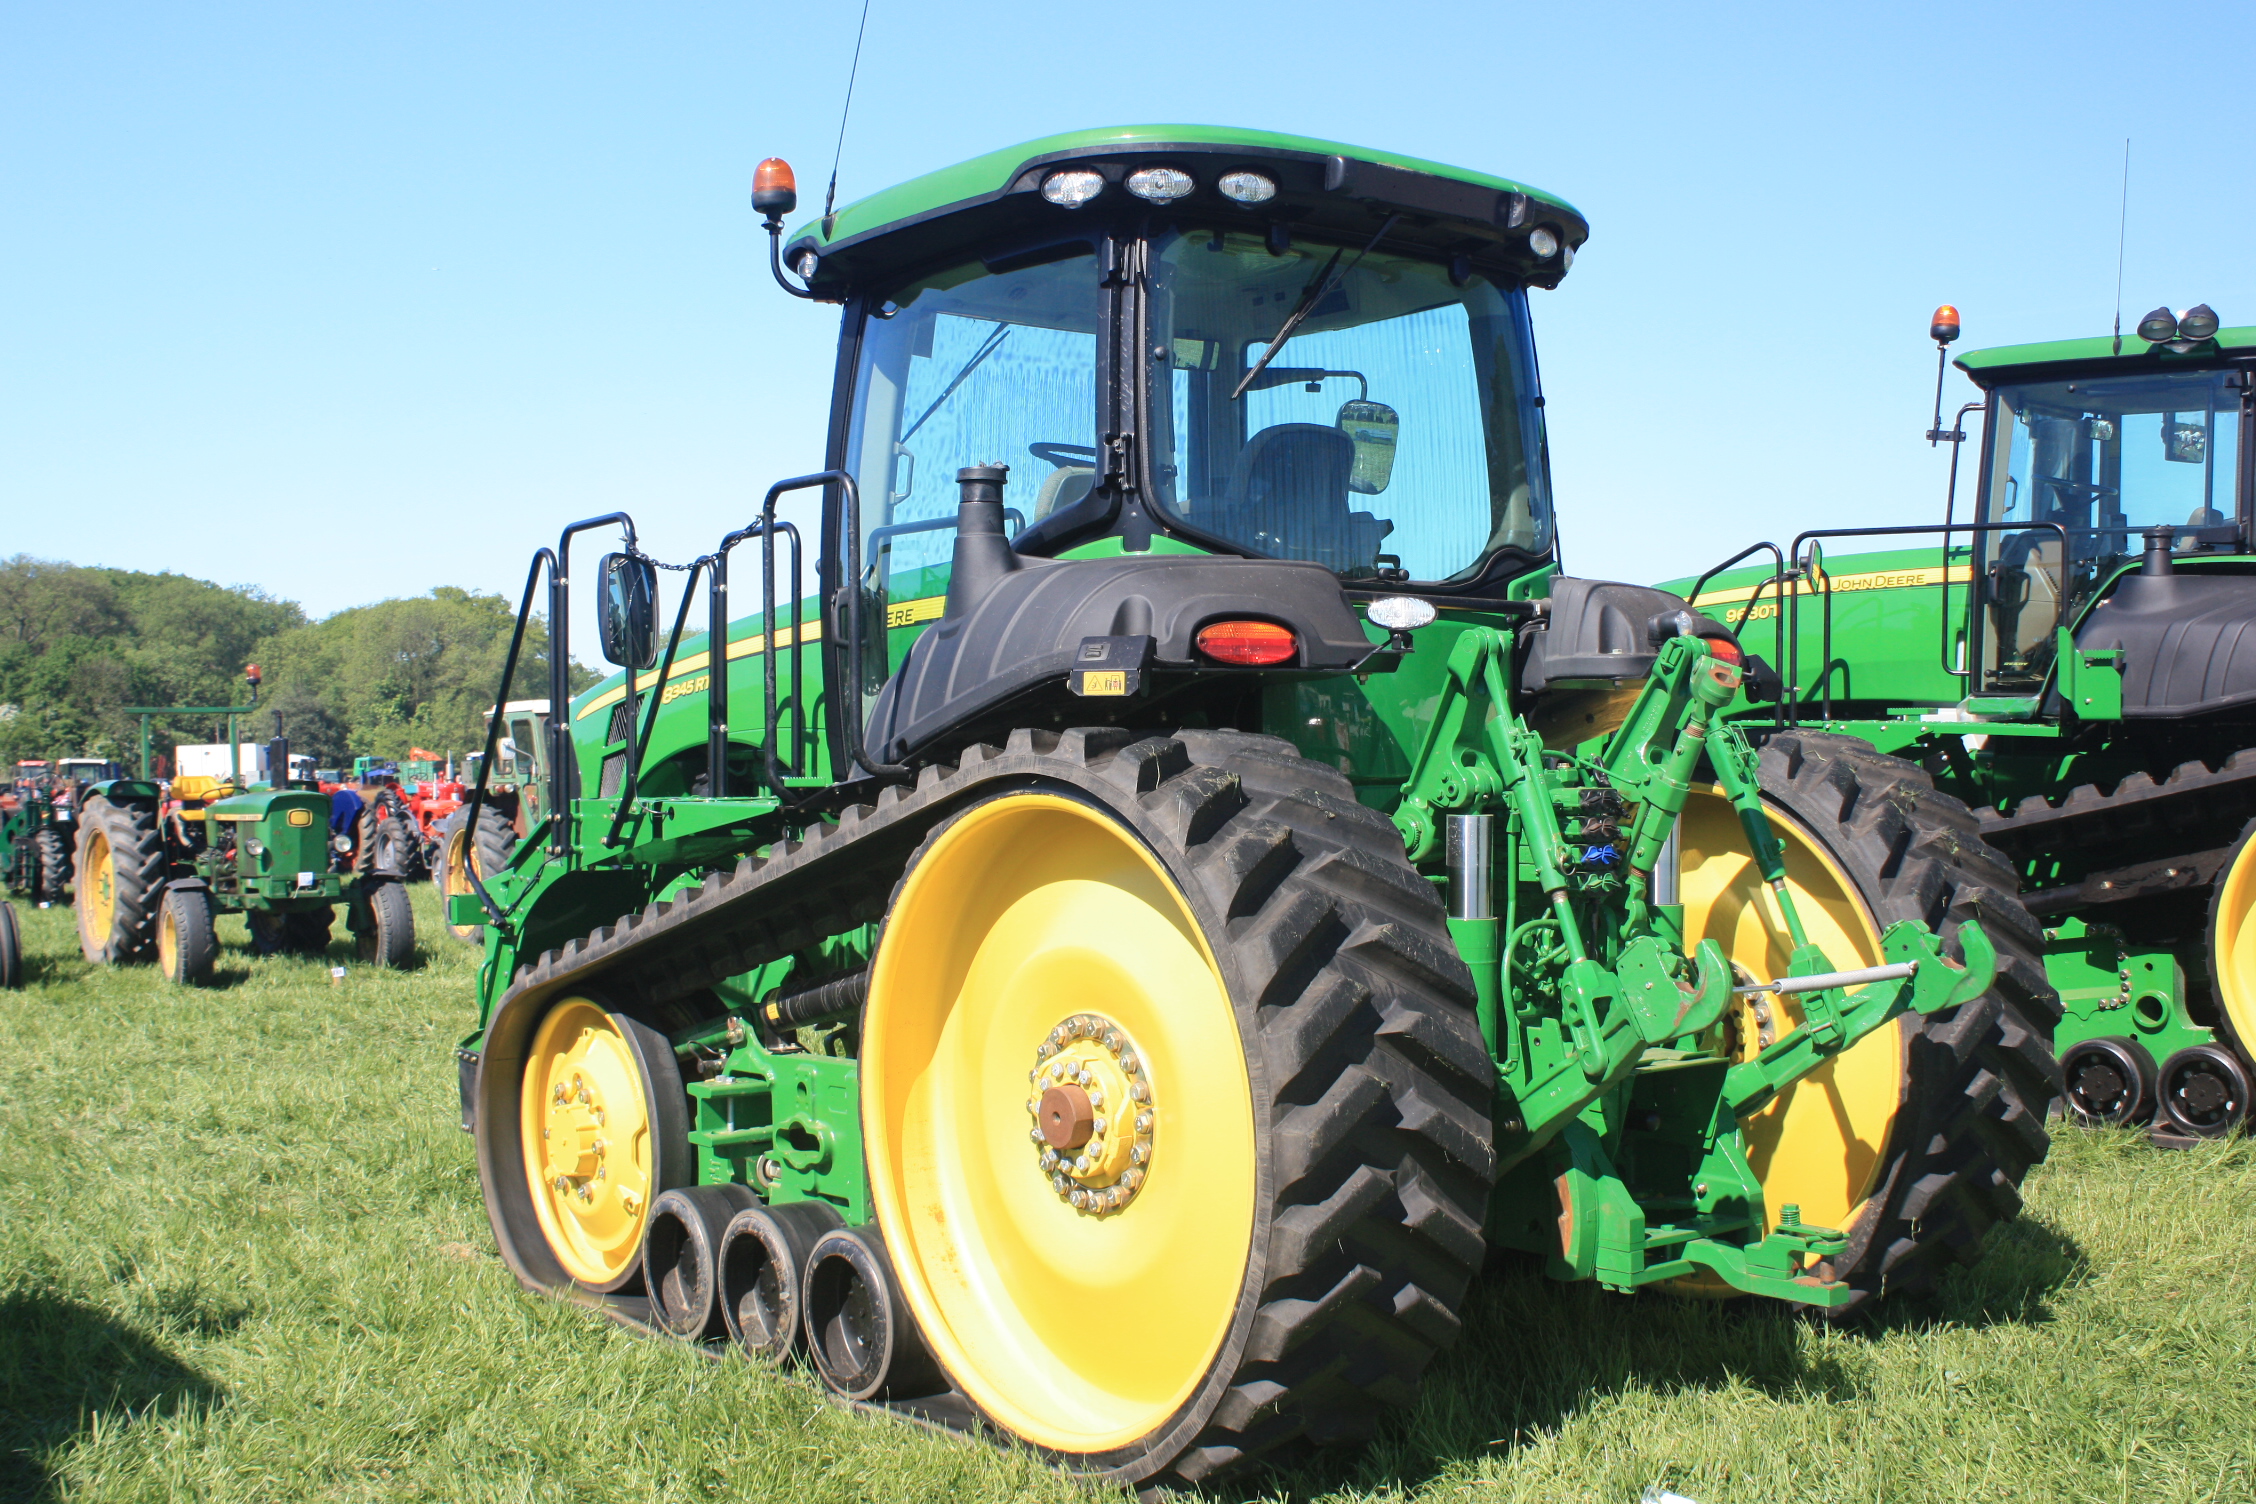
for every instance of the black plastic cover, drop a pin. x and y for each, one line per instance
(2188, 641)
(1602, 631)
(1028, 629)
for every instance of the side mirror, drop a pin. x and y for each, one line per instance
(1373, 426)
(630, 611)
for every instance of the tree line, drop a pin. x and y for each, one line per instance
(78, 644)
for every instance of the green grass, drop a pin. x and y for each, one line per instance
(242, 1255)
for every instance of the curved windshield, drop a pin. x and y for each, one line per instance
(964, 368)
(1392, 433)
(2105, 458)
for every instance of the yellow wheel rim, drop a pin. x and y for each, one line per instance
(456, 865)
(586, 1127)
(1818, 1144)
(2233, 945)
(98, 906)
(1079, 1304)
(168, 943)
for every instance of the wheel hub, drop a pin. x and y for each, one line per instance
(1093, 1114)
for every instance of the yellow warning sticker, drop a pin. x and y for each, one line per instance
(1105, 682)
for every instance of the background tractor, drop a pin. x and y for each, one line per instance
(516, 784)
(158, 863)
(35, 833)
(1193, 878)
(2078, 665)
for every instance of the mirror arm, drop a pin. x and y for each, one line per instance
(638, 741)
(560, 764)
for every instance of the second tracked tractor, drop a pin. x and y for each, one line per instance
(1172, 876)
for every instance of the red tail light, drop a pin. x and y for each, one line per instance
(1725, 649)
(1251, 644)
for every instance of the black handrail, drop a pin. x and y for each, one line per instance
(717, 693)
(1778, 577)
(561, 765)
(848, 704)
(1794, 632)
(493, 733)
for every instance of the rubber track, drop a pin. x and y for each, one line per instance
(1981, 1076)
(2195, 799)
(137, 867)
(1377, 1083)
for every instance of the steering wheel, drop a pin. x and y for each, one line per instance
(1064, 456)
(2067, 487)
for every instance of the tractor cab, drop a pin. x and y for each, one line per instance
(2095, 452)
(1190, 340)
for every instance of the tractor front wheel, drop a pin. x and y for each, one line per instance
(1177, 1112)
(387, 927)
(187, 939)
(121, 874)
(1915, 1140)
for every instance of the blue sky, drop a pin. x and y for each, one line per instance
(348, 302)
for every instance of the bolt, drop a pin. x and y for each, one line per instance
(544, 1133)
(1139, 1153)
(1080, 1200)
(602, 1173)
(1100, 1121)
(1050, 1159)
(1701, 1189)
(1140, 1092)
(1033, 1105)
(562, 1185)
(1129, 1063)
(1112, 1043)
(1058, 1183)
(1096, 1099)
(559, 1091)
(1035, 1134)
(1081, 1078)
(1143, 1122)
(1132, 1179)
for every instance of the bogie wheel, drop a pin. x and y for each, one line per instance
(53, 855)
(603, 1127)
(387, 927)
(1176, 1111)
(121, 871)
(2109, 1081)
(2232, 943)
(450, 871)
(11, 948)
(2203, 1091)
(1915, 1140)
(187, 941)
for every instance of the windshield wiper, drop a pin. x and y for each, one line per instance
(1002, 332)
(1318, 289)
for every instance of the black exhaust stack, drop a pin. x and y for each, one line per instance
(983, 553)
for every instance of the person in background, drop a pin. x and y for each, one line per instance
(345, 806)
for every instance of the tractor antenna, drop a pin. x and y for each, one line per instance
(2122, 223)
(830, 194)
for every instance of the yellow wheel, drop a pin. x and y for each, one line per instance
(450, 873)
(1915, 1140)
(1083, 1158)
(2232, 942)
(597, 1145)
(121, 866)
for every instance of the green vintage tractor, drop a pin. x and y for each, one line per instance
(158, 863)
(1192, 879)
(2078, 664)
(35, 833)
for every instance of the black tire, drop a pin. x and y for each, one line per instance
(387, 927)
(390, 845)
(136, 874)
(187, 939)
(1979, 1079)
(11, 948)
(52, 854)
(496, 843)
(1371, 1093)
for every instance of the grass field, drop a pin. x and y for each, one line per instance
(245, 1257)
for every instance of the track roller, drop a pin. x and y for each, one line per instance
(680, 1256)
(859, 1331)
(2203, 1091)
(763, 1255)
(2110, 1081)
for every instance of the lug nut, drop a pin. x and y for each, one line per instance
(1140, 1092)
(1137, 1155)
(1128, 1062)
(1143, 1122)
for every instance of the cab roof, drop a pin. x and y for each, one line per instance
(1989, 367)
(1322, 185)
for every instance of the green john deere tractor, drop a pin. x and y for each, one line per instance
(1192, 878)
(2078, 664)
(35, 833)
(158, 863)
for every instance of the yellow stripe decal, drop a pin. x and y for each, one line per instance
(695, 663)
(1882, 579)
(899, 614)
